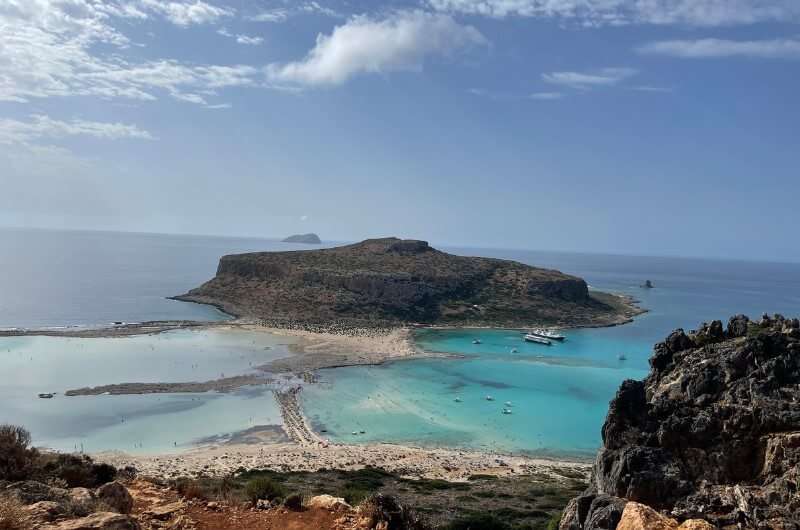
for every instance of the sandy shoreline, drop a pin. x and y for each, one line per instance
(413, 462)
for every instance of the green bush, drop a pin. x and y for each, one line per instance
(17, 458)
(13, 515)
(482, 521)
(263, 488)
(353, 496)
(553, 522)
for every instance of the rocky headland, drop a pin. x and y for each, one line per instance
(710, 439)
(394, 282)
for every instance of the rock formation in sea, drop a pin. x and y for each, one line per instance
(308, 239)
(647, 285)
(712, 434)
(393, 281)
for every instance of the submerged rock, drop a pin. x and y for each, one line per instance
(713, 433)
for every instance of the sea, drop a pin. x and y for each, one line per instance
(555, 398)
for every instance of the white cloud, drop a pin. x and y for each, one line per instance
(401, 41)
(241, 39)
(589, 80)
(48, 49)
(546, 95)
(617, 12)
(41, 126)
(713, 48)
(188, 12)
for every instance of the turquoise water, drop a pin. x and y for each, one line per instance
(560, 393)
(149, 423)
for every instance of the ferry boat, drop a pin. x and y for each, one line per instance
(547, 334)
(537, 339)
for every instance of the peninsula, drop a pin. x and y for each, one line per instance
(391, 282)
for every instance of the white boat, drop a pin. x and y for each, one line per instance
(489, 398)
(547, 334)
(476, 341)
(537, 339)
(507, 403)
(506, 411)
(457, 400)
(514, 350)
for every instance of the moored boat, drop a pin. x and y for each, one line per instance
(547, 334)
(537, 339)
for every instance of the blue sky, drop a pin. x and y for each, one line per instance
(625, 126)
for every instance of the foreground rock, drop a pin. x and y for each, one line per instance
(712, 433)
(390, 282)
(97, 521)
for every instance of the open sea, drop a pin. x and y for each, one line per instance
(558, 395)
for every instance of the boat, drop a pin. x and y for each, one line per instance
(547, 334)
(507, 403)
(537, 339)
(622, 357)
(476, 341)
(489, 398)
(46, 395)
(457, 400)
(506, 411)
(514, 350)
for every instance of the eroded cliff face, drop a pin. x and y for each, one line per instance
(712, 433)
(399, 281)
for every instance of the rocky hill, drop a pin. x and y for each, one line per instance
(712, 435)
(308, 239)
(393, 281)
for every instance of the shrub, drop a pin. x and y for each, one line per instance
(553, 522)
(294, 501)
(263, 488)
(77, 471)
(17, 458)
(353, 496)
(190, 489)
(384, 510)
(13, 515)
(482, 521)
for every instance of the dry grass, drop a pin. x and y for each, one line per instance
(13, 515)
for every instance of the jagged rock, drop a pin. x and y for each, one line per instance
(45, 511)
(391, 281)
(98, 521)
(712, 433)
(116, 496)
(640, 517)
(164, 512)
(328, 502)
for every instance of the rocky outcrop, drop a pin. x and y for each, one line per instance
(308, 239)
(392, 281)
(712, 433)
(97, 521)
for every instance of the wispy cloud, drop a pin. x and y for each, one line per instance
(544, 96)
(620, 12)
(49, 49)
(402, 41)
(41, 126)
(240, 38)
(714, 48)
(603, 77)
(185, 13)
(281, 14)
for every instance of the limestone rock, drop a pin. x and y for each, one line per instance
(712, 433)
(696, 524)
(81, 495)
(640, 517)
(98, 521)
(116, 496)
(165, 511)
(45, 511)
(328, 502)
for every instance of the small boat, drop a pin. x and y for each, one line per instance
(537, 339)
(547, 334)
(457, 400)
(506, 411)
(355, 433)
(507, 403)
(514, 350)
(489, 398)
(476, 341)
(46, 395)
(362, 432)
(622, 357)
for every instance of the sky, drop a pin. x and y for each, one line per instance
(664, 127)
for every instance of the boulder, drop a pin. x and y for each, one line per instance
(116, 496)
(98, 521)
(30, 492)
(81, 495)
(45, 511)
(328, 502)
(166, 511)
(637, 516)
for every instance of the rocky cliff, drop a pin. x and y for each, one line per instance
(712, 433)
(392, 281)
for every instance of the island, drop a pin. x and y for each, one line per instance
(307, 239)
(392, 282)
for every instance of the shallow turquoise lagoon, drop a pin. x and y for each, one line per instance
(140, 423)
(559, 394)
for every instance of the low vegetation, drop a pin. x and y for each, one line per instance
(13, 515)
